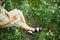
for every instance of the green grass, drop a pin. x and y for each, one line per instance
(38, 13)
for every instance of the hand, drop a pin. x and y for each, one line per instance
(0, 23)
(15, 17)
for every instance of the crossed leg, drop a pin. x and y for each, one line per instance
(26, 27)
(23, 22)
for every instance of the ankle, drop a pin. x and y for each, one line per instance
(33, 30)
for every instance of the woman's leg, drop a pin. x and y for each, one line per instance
(23, 22)
(26, 27)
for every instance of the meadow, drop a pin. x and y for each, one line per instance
(37, 13)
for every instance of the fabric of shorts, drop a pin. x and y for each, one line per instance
(16, 23)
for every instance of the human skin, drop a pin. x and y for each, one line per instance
(7, 21)
(22, 22)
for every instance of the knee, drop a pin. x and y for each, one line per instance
(19, 11)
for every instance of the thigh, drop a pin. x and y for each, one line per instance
(13, 13)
